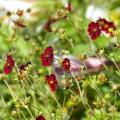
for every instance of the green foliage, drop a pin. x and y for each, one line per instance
(85, 95)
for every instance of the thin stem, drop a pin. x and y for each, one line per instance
(23, 115)
(30, 112)
(56, 100)
(35, 107)
(80, 100)
(71, 43)
(64, 99)
(105, 66)
(77, 83)
(40, 94)
(11, 91)
(118, 93)
(113, 62)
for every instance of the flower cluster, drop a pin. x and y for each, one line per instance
(102, 25)
(47, 58)
(106, 26)
(9, 64)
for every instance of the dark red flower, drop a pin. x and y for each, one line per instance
(10, 60)
(66, 64)
(52, 82)
(94, 30)
(9, 64)
(40, 118)
(102, 22)
(69, 7)
(7, 68)
(106, 26)
(47, 56)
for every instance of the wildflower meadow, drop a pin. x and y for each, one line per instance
(60, 60)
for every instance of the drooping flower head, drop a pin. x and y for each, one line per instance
(66, 64)
(24, 67)
(40, 118)
(9, 64)
(47, 56)
(52, 82)
(48, 24)
(94, 30)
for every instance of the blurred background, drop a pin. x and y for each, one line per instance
(23, 32)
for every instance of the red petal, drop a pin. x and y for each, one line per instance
(7, 69)
(40, 118)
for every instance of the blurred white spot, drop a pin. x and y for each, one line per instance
(65, 2)
(14, 5)
(10, 20)
(95, 62)
(95, 12)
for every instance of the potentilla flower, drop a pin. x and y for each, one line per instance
(110, 29)
(66, 64)
(9, 64)
(7, 68)
(10, 60)
(94, 30)
(106, 26)
(40, 118)
(102, 22)
(52, 82)
(47, 56)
